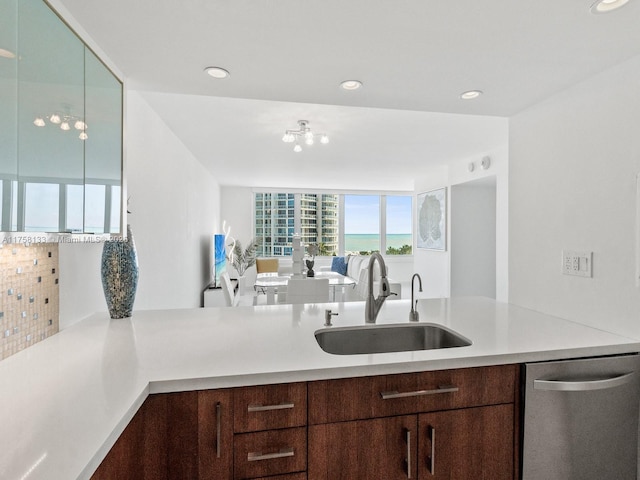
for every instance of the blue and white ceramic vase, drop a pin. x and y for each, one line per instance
(120, 275)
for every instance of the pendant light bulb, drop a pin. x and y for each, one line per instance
(297, 148)
(324, 139)
(39, 122)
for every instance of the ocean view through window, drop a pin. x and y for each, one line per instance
(361, 224)
(399, 225)
(340, 224)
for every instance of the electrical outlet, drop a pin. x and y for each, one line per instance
(577, 263)
(567, 262)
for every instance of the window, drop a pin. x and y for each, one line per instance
(276, 222)
(114, 223)
(371, 223)
(14, 204)
(94, 197)
(361, 224)
(75, 208)
(41, 207)
(399, 227)
(59, 207)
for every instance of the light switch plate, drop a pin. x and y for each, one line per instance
(577, 263)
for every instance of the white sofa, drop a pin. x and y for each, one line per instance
(358, 269)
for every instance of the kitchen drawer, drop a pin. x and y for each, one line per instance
(272, 452)
(387, 395)
(270, 406)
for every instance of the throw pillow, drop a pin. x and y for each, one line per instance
(339, 265)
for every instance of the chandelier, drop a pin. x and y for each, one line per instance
(303, 133)
(64, 121)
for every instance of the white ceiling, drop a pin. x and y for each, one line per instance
(369, 148)
(287, 57)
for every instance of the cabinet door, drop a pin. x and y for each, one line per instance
(365, 449)
(473, 443)
(198, 433)
(141, 451)
(215, 434)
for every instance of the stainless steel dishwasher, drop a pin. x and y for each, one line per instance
(581, 419)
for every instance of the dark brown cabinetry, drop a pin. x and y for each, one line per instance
(468, 443)
(451, 424)
(364, 449)
(186, 435)
(271, 435)
(455, 424)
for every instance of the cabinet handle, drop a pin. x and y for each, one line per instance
(407, 434)
(265, 408)
(418, 393)
(218, 428)
(431, 461)
(582, 386)
(284, 452)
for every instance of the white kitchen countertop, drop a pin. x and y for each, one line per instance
(65, 400)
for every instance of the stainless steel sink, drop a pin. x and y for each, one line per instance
(403, 337)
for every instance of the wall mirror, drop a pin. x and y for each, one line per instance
(60, 127)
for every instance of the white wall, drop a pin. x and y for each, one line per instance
(435, 267)
(459, 173)
(473, 239)
(175, 210)
(573, 165)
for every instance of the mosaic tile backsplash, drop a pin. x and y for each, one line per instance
(29, 299)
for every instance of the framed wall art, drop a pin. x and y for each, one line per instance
(432, 220)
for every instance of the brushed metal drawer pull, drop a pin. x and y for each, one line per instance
(218, 428)
(266, 408)
(284, 452)
(418, 393)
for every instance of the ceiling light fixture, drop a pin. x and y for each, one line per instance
(351, 85)
(64, 120)
(605, 6)
(470, 94)
(303, 133)
(7, 53)
(217, 72)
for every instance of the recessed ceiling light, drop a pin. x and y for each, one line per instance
(217, 72)
(351, 85)
(6, 53)
(604, 6)
(471, 94)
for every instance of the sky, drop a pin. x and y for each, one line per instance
(362, 214)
